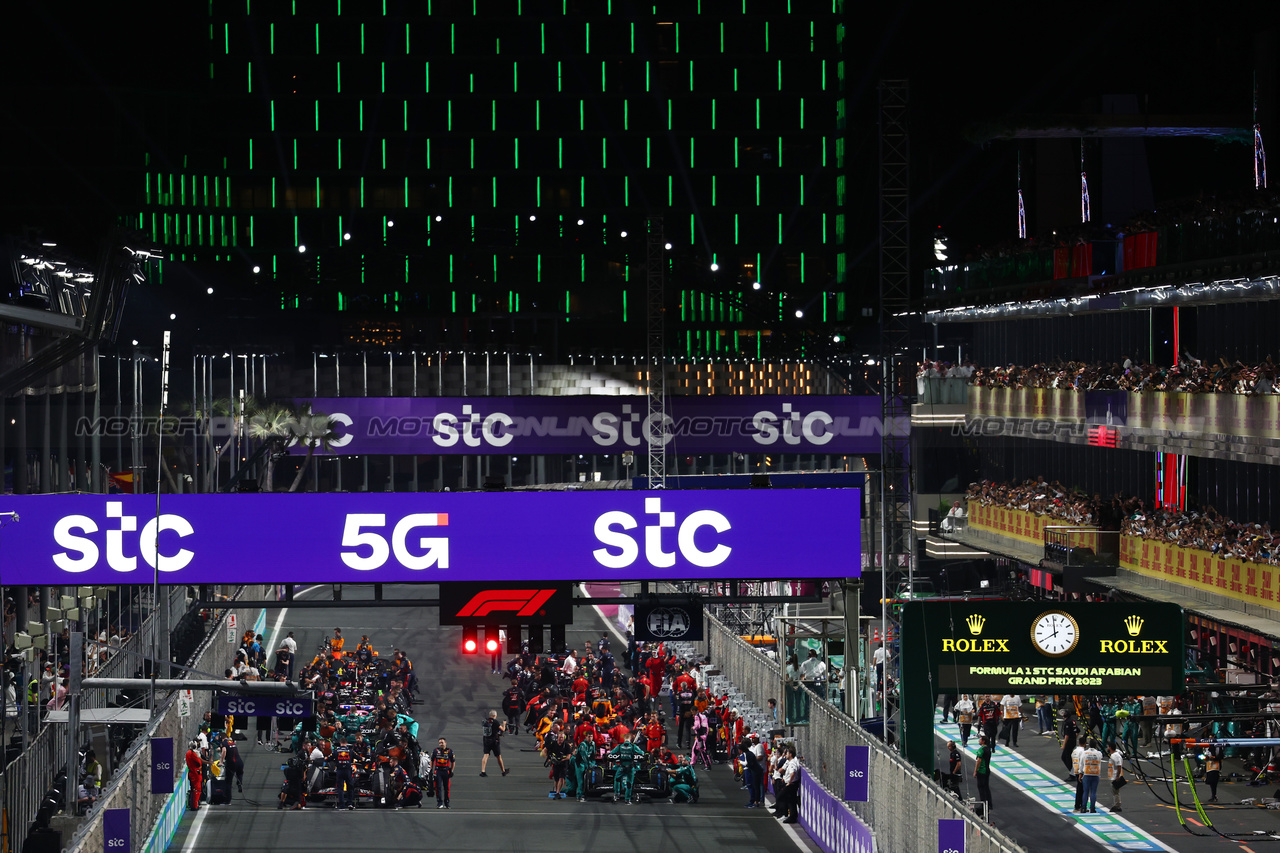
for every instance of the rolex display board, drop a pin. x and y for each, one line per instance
(1050, 647)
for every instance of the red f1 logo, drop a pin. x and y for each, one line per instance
(521, 602)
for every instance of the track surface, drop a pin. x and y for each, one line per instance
(493, 813)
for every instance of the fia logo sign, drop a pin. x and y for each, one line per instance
(669, 623)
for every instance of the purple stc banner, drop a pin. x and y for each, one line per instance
(115, 831)
(829, 822)
(162, 765)
(598, 424)
(430, 537)
(950, 835)
(857, 772)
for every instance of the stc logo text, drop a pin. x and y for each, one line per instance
(621, 548)
(123, 542)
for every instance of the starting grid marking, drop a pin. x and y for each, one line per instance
(1111, 831)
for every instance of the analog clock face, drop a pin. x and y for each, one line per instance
(1055, 633)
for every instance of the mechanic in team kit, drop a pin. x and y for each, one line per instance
(442, 762)
(492, 730)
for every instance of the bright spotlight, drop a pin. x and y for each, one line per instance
(346, 235)
(391, 223)
(667, 247)
(257, 269)
(715, 267)
(579, 221)
(533, 218)
(624, 233)
(135, 342)
(173, 316)
(302, 249)
(438, 217)
(755, 285)
(210, 290)
(799, 313)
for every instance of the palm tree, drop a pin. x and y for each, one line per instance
(312, 429)
(273, 422)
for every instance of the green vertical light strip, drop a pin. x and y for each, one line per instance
(582, 191)
(668, 113)
(451, 194)
(626, 191)
(493, 117)
(669, 195)
(624, 303)
(824, 228)
(406, 38)
(339, 78)
(449, 116)
(453, 38)
(250, 231)
(515, 77)
(690, 75)
(226, 39)
(779, 75)
(455, 296)
(473, 152)
(516, 151)
(604, 152)
(384, 152)
(582, 115)
(779, 152)
(317, 192)
(406, 192)
(384, 77)
(273, 116)
(779, 229)
(317, 116)
(757, 113)
(824, 306)
(295, 153)
(317, 39)
(272, 37)
(735, 229)
(559, 76)
(633, 36)
(250, 153)
(766, 36)
(646, 76)
(273, 192)
(802, 113)
(362, 190)
(713, 190)
(603, 85)
(802, 189)
(537, 199)
(757, 190)
(692, 231)
(561, 152)
(406, 115)
(495, 277)
(735, 152)
(539, 278)
(735, 79)
(648, 152)
(362, 116)
(295, 229)
(802, 267)
(713, 113)
(587, 42)
(543, 28)
(362, 39)
(722, 36)
(824, 75)
(339, 152)
(339, 229)
(537, 115)
(495, 191)
(677, 36)
(249, 67)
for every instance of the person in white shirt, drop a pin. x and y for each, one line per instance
(1076, 777)
(570, 665)
(789, 797)
(954, 518)
(813, 672)
(1090, 773)
(1012, 717)
(1115, 768)
(964, 718)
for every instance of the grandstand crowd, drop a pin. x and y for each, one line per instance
(1190, 374)
(1203, 529)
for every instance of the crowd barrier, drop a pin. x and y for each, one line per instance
(905, 805)
(1251, 583)
(130, 786)
(1028, 527)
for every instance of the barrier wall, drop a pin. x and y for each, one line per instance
(130, 786)
(1251, 583)
(905, 805)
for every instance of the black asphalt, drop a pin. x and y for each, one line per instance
(493, 813)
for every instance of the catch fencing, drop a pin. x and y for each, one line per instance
(904, 806)
(130, 786)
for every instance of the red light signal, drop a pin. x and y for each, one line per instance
(491, 645)
(469, 642)
(1102, 436)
